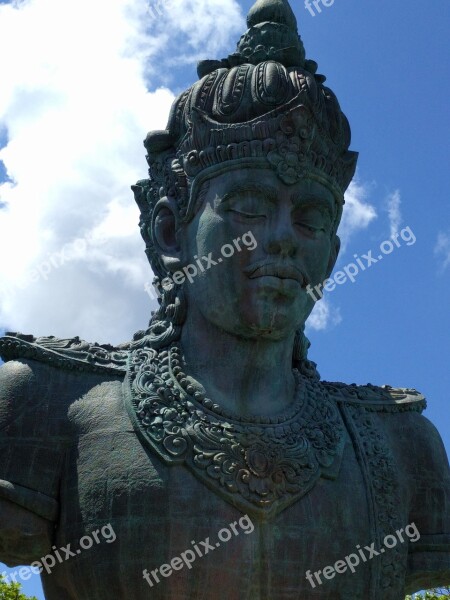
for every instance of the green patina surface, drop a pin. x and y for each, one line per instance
(213, 419)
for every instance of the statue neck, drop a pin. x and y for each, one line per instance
(244, 376)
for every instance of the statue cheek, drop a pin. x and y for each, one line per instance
(316, 260)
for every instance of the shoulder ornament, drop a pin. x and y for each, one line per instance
(72, 353)
(377, 398)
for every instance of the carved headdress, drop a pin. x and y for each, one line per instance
(263, 106)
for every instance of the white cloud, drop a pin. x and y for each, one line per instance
(76, 107)
(442, 249)
(393, 202)
(357, 214)
(323, 316)
(203, 39)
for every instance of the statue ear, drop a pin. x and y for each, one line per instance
(163, 231)
(334, 253)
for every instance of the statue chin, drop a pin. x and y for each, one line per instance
(269, 309)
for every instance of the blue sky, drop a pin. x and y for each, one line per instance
(388, 64)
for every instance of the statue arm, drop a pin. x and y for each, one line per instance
(28, 502)
(429, 557)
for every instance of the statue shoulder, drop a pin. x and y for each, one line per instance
(17, 382)
(375, 398)
(70, 354)
(399, 412)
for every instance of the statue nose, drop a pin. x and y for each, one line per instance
(282, 242)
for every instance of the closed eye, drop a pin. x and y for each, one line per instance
(311, 219)
(247, 215)
(310, 228)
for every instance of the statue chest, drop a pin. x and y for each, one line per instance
(157, 512)
(161, 513)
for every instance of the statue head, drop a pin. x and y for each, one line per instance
(257, 147)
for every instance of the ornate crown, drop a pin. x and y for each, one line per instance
(263, 106)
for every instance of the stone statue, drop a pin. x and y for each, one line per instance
(209, 446)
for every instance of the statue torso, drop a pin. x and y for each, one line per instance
(157, 511)
(91, 457)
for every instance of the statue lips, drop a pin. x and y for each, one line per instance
(280, 270)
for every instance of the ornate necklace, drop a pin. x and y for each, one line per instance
(259, 464)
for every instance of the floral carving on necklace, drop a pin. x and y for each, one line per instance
(260, 465)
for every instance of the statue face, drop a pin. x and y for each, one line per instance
(260, 289)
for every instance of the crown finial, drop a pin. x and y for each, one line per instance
(272, 35)
(272, 11)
